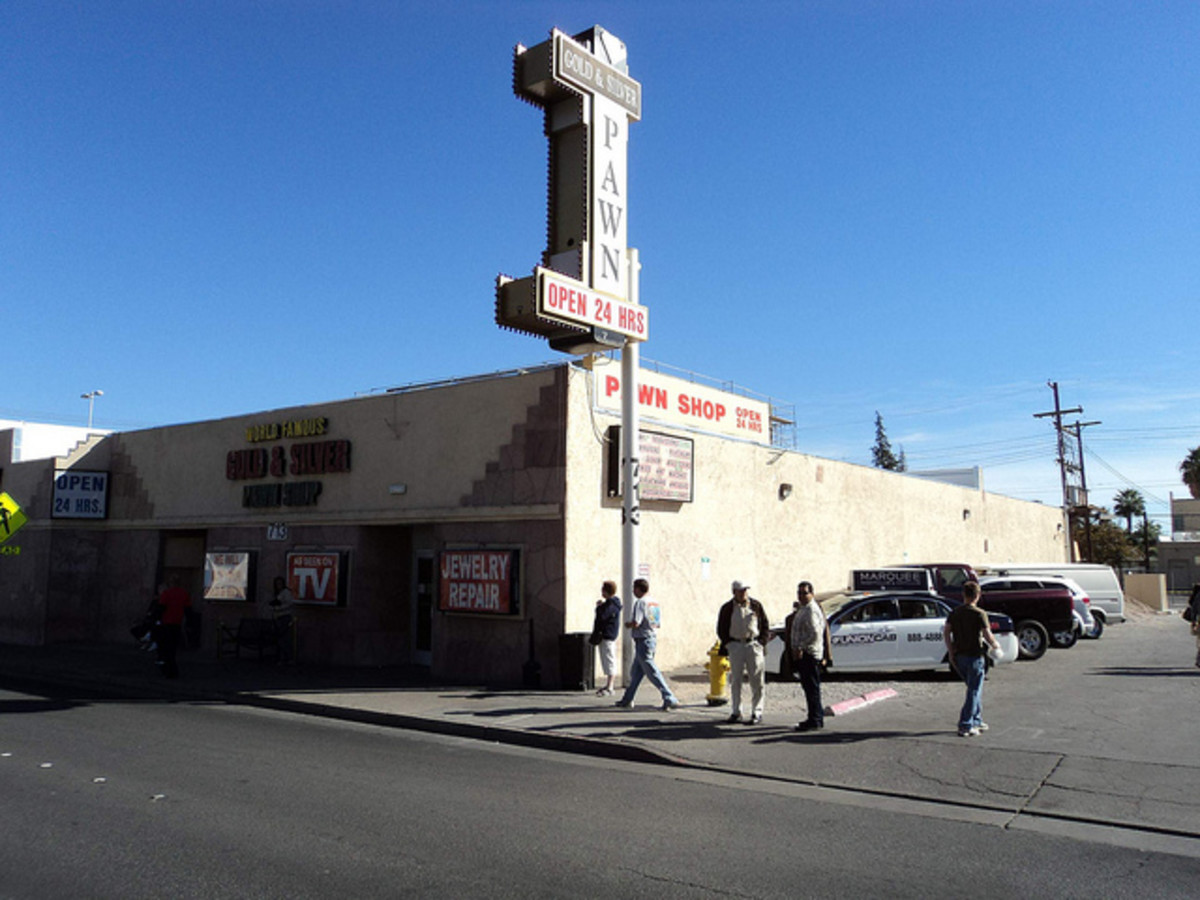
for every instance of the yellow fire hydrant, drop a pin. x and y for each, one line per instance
(718, 674)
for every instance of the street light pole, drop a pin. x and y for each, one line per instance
(90, 397)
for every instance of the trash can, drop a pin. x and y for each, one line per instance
(576, 661)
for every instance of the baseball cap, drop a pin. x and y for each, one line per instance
(741, 585)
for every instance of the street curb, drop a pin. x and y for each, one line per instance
(845, 706)
(182, 692)
(604, 748)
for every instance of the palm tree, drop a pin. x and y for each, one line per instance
(1190, 467)
(1127, 504)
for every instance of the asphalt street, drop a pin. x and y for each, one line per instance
(1098, 739)
(191, 799)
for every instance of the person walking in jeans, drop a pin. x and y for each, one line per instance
(643, 621)
(968, 635)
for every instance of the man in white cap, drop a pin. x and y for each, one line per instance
(743, 630)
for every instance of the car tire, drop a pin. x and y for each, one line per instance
(1097, 628)
(1032, 639)
(1065, 639)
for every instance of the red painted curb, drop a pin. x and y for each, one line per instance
(845, 706)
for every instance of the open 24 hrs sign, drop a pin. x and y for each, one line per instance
(573, 302)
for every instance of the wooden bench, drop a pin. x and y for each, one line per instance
(260, 635)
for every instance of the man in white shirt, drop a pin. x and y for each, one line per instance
(807, 640)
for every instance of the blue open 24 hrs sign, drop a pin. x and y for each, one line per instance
(80, 495)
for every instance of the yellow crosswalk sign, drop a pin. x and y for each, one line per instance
(11, 517)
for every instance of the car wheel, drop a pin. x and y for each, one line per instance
(1097, 628)
(1065, 639)
(1032, 639)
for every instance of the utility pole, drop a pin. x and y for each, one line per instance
(1058, 412)
(1077, 430)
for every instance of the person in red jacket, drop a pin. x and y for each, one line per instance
(173, 601)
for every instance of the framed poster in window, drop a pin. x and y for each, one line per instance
(229, 575)
(481, 581)
(318, 577)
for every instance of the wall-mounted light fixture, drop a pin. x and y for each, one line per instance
(966, 514)
(785, 491)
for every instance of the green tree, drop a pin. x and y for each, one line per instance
(1145, 541)
(1127, 504)
(1108, 543)
(1190, 469)
(881, 454)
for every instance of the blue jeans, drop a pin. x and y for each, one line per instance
(645, 667)
(972, 669)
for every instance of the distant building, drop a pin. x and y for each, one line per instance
(37, 440)
(1185, 519)
(968, 478)
(1179, 558)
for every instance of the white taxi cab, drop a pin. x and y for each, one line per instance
(886, 631)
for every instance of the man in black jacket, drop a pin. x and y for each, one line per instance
(743, 630)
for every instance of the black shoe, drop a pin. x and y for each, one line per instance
(734, 719)
(809, 725)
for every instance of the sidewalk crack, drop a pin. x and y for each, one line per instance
(1024, 805)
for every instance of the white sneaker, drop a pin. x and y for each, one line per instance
(982, 726)
(968, 732)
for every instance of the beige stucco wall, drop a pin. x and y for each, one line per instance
(1148, 589)
(839, 516)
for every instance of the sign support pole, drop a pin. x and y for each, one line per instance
(630, 464)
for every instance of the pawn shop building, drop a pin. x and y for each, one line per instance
(467, 525)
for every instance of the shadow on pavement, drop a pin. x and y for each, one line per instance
(1147, 671)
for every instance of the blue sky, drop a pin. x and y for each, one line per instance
(929, 209)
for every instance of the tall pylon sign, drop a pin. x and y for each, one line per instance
(583, 297)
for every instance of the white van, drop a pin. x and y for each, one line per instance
(1098, 580)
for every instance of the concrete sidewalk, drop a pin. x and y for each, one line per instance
(904, 747)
